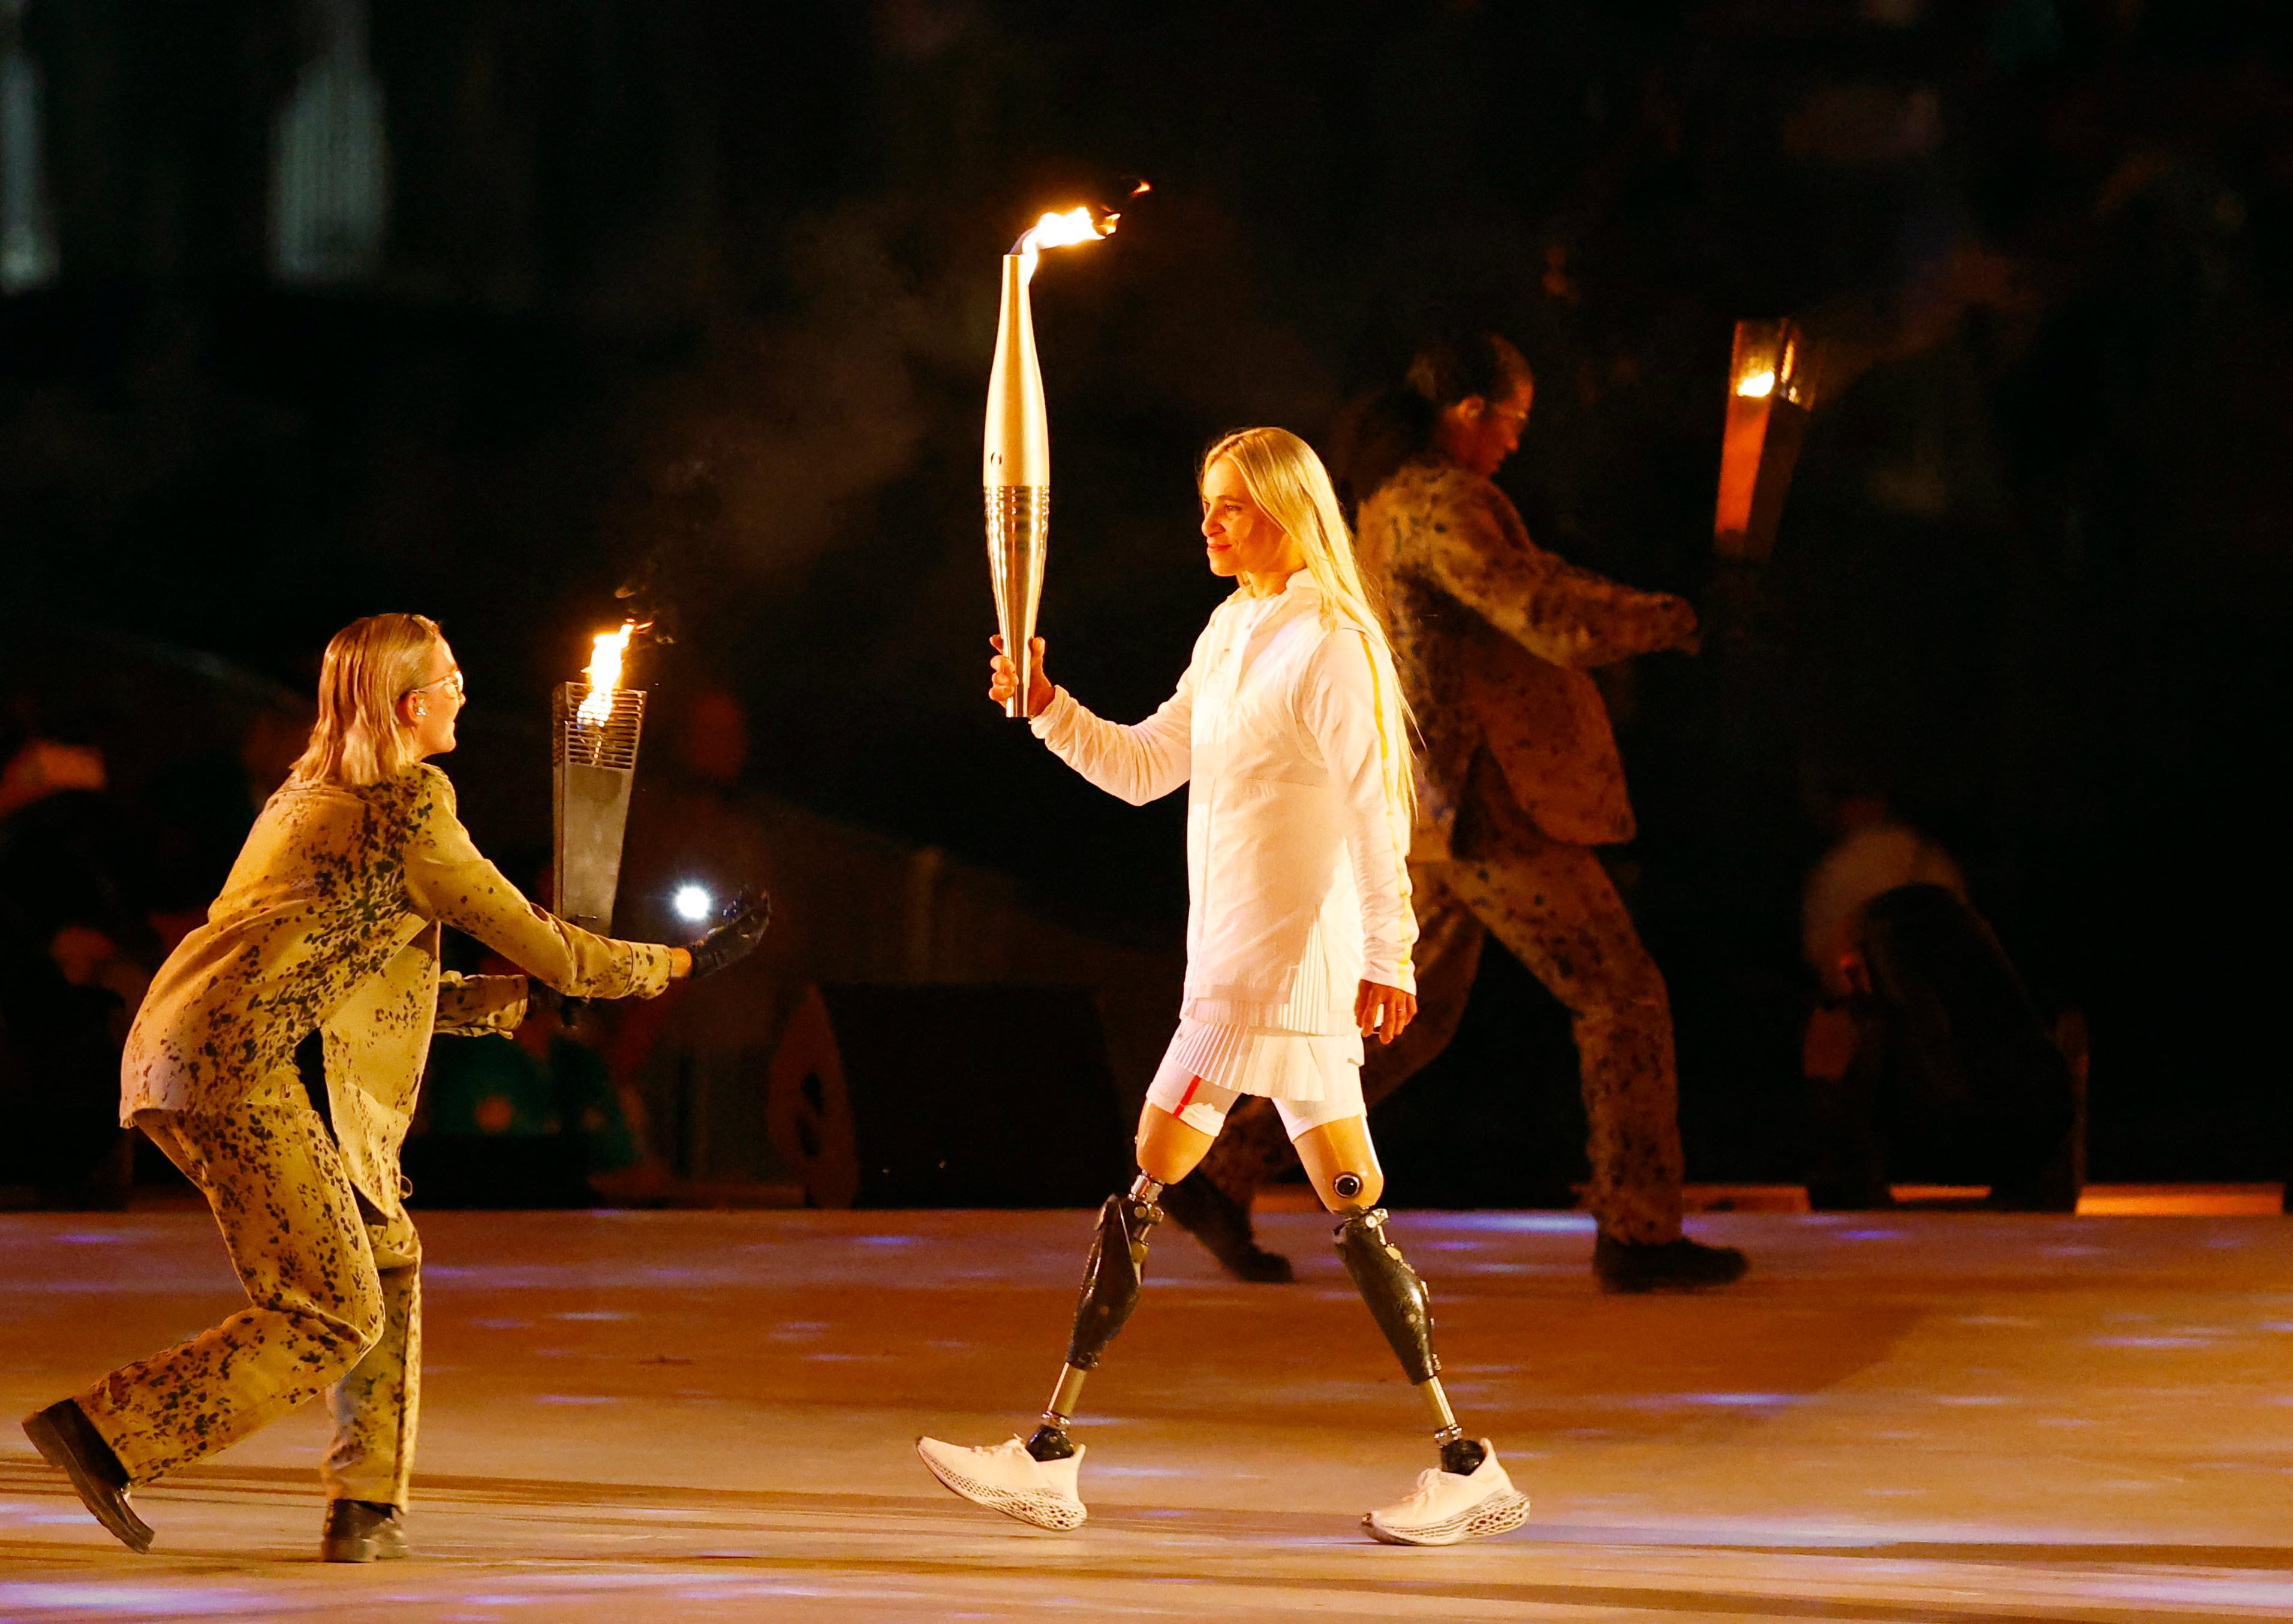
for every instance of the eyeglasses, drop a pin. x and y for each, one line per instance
(452, 678)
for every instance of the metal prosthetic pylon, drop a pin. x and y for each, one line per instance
(1403, 1309)
(1111, 1278)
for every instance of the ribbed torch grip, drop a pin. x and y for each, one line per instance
(1018, 535)
(593, 765)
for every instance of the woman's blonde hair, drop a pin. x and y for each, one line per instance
(1287, 481)
(370, 665)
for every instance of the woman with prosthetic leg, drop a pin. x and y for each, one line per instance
(1288, 730)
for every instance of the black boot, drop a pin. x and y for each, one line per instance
(1222, 1225)
(69, 1440)
(1664, 1265)
(362, 1531)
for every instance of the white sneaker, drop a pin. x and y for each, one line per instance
(1449, 1509)
(1009, 1480)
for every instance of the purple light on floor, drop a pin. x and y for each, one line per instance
(1523, 1223)
(120, 1598)
(2277, 1596)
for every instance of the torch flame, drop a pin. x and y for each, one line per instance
(1759, 386)
(1081, 224)
(605, 675)
(1057, 231)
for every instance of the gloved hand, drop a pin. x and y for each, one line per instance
(745, 919)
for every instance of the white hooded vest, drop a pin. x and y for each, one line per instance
(1296, 839)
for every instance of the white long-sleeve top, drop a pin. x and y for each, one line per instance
(1296, 840)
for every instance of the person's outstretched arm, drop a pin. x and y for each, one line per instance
(1140, 762)
(1365, 750)
(1478, 551)
(450, 880)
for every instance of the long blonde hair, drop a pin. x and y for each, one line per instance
(370, 665)
(1286, 479)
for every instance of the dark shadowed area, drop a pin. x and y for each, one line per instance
(312, 310)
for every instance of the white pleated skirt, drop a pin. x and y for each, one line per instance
(1279, 1065)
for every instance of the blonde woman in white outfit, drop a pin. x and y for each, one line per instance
(1289, 731)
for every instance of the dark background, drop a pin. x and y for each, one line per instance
(712, 285)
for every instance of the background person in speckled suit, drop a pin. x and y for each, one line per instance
(328, 922)
(1493, 637)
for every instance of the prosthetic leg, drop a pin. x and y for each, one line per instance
(1111, 1276)
(1398, 1300)
(1470, 1498)
(1037, 1481)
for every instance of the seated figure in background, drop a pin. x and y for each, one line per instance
(1926, 1047)
(67, 978)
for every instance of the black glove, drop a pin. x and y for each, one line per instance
(745, 919)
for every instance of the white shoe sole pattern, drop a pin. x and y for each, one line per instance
(1500, 1514)
(1044, 1510)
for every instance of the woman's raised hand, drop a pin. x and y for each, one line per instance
(1003, 678)
(1384, 1011)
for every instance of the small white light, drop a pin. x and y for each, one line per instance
(694, 904)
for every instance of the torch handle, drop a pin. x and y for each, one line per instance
(1019, 536)
(593, 769)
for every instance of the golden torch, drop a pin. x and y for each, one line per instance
(1017, 467)
(593, 764)
(1769, 394)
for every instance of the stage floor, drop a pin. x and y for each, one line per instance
(692, 1416)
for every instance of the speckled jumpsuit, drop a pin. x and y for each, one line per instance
(330, 922)
(1521, 781)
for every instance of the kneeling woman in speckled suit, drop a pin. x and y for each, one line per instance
(1288, 730)
(328, 922)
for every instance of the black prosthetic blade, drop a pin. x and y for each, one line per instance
(1110, 1281)
(1396, 1299)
